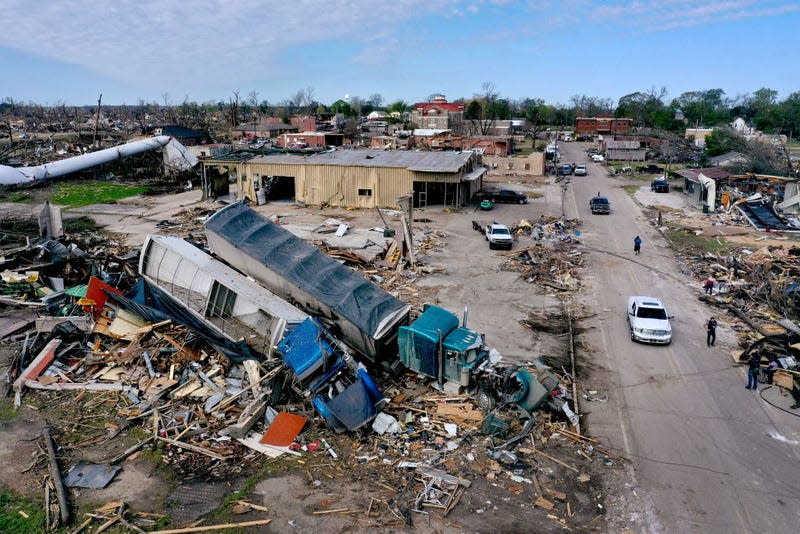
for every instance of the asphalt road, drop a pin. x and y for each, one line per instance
(707, 455)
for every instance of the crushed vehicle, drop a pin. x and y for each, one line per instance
(498, 235)
(437, 346)
(600, 205)
(340, 388)
(648, 320)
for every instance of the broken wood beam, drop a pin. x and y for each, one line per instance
(63, 506)
(36, 368)
(556, 460)
(193, 448)
(208, 528)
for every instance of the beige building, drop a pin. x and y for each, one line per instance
(357, 178)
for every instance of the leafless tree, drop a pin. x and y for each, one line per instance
(480, 111)
(376, 99)
(234, 108)
(252, 99)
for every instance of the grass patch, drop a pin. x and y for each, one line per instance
(80, 225)
(77, 194)
(12, 520)
(18, 196)
(630, 189)
(686, 240)
(7, 411)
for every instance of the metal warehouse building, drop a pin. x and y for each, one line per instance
(358, 178)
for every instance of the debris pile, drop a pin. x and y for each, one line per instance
(213, 380)
(552, 259)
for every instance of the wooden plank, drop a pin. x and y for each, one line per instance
(541, 502)
(35, 368)
(556, 460)
(209, 528)
(9, 327)
(193, 448)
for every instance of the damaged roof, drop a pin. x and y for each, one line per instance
(715, 173)
(413, 161)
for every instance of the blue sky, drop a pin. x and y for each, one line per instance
(70, 51)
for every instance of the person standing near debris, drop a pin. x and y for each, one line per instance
(752, 371)
(769, 372)
(711, 329)
(709, 285)
(637, 245)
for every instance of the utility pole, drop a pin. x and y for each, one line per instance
(97, 119)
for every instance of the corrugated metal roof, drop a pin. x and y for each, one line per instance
(715, 173)
(628, 145)
(428, 132)
(414, 161)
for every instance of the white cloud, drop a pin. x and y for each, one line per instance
(131, 41)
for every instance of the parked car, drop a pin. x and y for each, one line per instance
(600, 205)
(508, 195)
(648, 320)
(597, 158)
(649, 169)
(580, 170)
(659, 185)
(565, 169)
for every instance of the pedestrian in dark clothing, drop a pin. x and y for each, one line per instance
(752, 371)
(711, 329)
(637, 245)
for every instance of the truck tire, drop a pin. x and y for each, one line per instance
(485, 400)
(522, 201)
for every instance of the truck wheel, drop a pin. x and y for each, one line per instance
(485, 400)
(521, 201)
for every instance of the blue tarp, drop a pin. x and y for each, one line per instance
(344, 394)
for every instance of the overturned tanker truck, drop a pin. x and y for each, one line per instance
(373, 322)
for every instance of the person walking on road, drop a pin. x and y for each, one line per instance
(752, 371)
(711, 329)
(637, 245)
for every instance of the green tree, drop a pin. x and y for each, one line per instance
(704, 108)
(724, 139)
(764, 107)
(340, 106)
(398, 112)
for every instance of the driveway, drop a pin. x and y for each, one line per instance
(706, 454)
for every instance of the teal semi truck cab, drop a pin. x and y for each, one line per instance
(436, 346)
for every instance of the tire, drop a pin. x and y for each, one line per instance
(521, 201)
(485, 400)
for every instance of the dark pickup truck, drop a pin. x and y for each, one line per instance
(506, 195)
(649, 169)
(600, 205)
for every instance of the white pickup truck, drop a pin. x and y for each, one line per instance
(498, 235)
